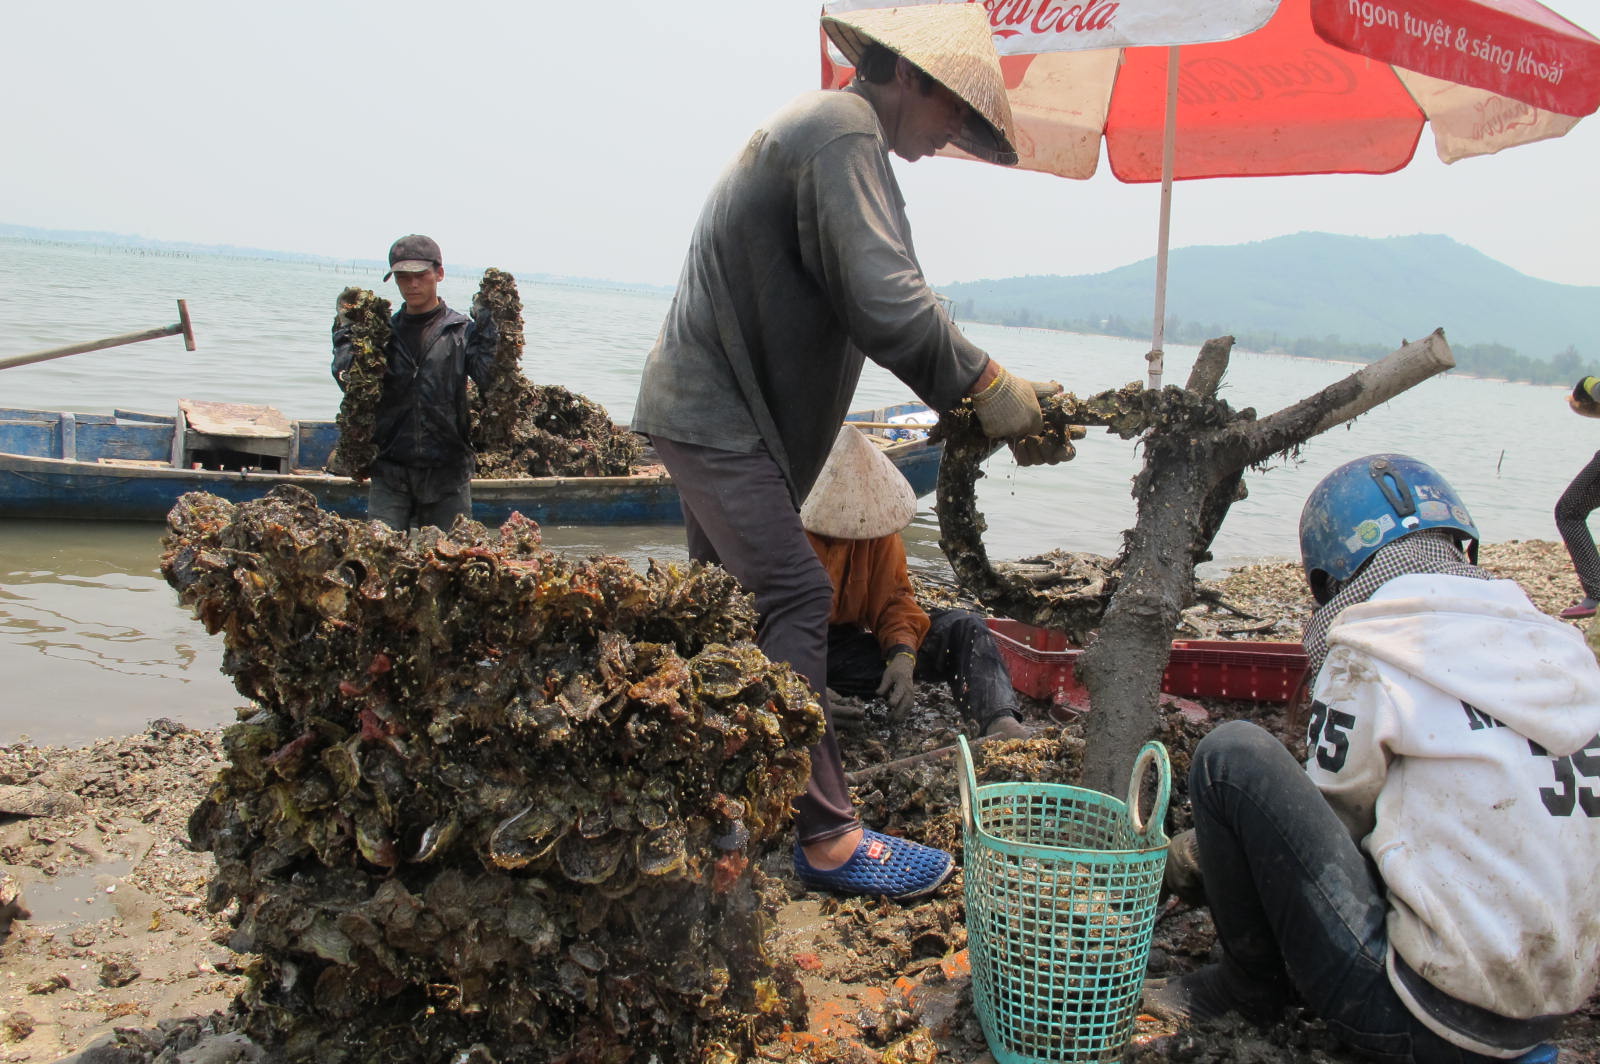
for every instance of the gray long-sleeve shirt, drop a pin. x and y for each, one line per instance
(801, 265)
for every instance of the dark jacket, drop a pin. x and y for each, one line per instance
(422, 417)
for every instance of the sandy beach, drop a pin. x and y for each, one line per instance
(119, 950)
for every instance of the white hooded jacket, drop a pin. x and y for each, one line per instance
(1455, 734)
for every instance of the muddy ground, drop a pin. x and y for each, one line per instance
(119, 953)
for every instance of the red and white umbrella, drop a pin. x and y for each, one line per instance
(1269, 88)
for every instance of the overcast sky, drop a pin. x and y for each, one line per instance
(580, 137)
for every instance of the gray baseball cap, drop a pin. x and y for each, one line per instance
(413, 254)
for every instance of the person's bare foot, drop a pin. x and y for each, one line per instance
(831, 853)
(1005, 726)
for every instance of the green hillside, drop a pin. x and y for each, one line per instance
(1320, 295)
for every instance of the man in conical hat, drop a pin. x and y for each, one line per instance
(880, 639)
(800, 268)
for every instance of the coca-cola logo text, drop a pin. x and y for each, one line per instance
(1314, 71)
(1011, 18)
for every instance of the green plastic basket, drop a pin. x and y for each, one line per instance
(1062, 886)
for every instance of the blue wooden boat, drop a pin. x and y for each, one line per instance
(130, 466)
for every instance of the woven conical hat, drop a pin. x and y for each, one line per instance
(951, 44)
(859, 494)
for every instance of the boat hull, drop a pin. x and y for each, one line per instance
(39, 486)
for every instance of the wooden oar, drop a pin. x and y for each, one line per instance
(183, 325)
(862, 775)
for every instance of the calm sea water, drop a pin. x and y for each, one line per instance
(92, 641)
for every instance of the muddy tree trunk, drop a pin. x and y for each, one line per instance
(1189, 479)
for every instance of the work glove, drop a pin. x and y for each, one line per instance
(345, 304)
(1182, 877)
(896, 687)
(1009, 407)
(845, 710)
(1041, 450)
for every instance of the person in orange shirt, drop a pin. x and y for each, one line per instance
(880, 641)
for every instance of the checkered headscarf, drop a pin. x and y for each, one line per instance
(1431, 550)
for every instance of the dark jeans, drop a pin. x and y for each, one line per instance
(1581, 498)
(1280, 869)
(406, 499)
(737, 512)
(959, 650)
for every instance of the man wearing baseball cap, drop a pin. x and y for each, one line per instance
(423, 473)
(800, 268)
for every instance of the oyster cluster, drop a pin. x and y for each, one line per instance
(523, 429)
(1066, 591)
(357, 448)
(561, 434)
(501, 399)
(489, 796)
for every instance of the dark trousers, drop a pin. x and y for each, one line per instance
(959, 650)
(406, 499)
(1292, 895)
(737, 513)
(1581, 499)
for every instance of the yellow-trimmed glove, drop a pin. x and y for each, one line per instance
(1009, 407)
(1583, 398)
(897, 687)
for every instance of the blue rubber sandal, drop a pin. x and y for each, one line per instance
(1539, 1054)
(882, 865)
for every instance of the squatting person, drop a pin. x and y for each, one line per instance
(1427, 882)
(881, 641)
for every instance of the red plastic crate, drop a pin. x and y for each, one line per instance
(1222, 668)
(1042, 661)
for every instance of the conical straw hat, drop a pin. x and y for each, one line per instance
(859, 494)
(951, 44)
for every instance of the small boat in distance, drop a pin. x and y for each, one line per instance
(130, 466)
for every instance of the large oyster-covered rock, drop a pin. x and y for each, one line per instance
(490, 794)
(357, 449)
(522, 429)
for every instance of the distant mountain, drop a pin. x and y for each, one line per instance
(1303, 291)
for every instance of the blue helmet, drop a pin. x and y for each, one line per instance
(1367, 503)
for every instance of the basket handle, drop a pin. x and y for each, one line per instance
(968, 785)
(1152, 753)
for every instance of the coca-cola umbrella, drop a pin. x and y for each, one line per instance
(1274, 87)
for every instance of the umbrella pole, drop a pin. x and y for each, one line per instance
(1169, 144)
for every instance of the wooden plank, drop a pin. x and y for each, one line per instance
(143, 415)
(19, 413)
(194, 440)
(137, 440)
(36, 439)
(67, 438)
(317, 440)
(244, 420)
(180, 427)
